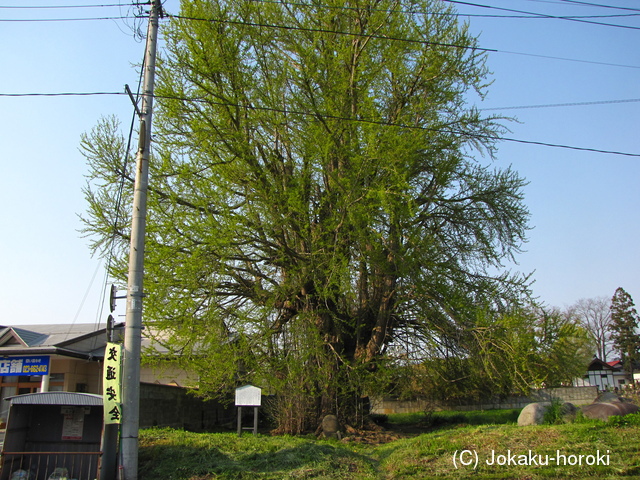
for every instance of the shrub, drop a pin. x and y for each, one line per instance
(554, 414)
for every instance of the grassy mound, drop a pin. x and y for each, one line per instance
(496, 449)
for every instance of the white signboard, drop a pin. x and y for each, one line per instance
(73, 422)
(248, 396)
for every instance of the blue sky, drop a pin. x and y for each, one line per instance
(584, 205)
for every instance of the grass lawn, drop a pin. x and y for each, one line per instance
(587, 449)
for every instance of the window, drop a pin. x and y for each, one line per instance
(31, 384)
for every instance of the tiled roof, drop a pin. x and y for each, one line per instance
(29, 337)
(86, 338)
(57, 398)
(74, 340)
(50, 335)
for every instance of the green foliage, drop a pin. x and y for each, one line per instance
(629, 420)
(624, 329)
(554, 415)
(315, 202)
(505, 354)
(452, 418)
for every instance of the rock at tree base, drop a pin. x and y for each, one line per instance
(330, 427)
(602, 411)
(533, 414)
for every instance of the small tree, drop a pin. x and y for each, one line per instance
(624, 329)
(564, 347)
(506, 353)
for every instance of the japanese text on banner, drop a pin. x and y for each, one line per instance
(112, 386)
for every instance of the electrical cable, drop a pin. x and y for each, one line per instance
(457, 14)
(382, 37)
(516, 107)
(119, 197)
(588, 4)
(45, 20)
(572, 104)
(82, 302)
(367, 121)
(58, 7)
(61, 94)
(565, 59)
(523, 14)
(542, 15)
(323, 30)
(423, 42)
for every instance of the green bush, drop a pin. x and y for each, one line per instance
(555, 413)
(630, 420)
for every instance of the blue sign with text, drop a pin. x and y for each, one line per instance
(24, 366)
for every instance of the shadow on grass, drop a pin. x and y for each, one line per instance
(305, 459)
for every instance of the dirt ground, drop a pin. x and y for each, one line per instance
(378, 434)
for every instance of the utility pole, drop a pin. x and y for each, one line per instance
(135, 292)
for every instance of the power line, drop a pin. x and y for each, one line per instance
(37, 20)
(61, 94)
(382, 37)
(542, 15)
(522, 14)
(301, 4)
(565, 59)
(518, 107)
(323, 30)
(337, 117)
(572, 104)
(457, 14)
(569, 147)
(588, 4)
(57, 7)
(556, 2)
(399, 39)
(584, 4)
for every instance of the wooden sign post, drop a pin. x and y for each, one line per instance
(248, 396)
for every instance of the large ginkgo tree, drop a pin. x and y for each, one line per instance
(321, 190)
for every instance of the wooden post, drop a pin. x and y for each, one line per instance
(255, 420)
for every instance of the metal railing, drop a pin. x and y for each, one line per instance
(49, 465)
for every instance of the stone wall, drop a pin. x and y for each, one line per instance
(575, 395)
(169, 406)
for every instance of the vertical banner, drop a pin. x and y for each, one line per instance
(112, 399)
